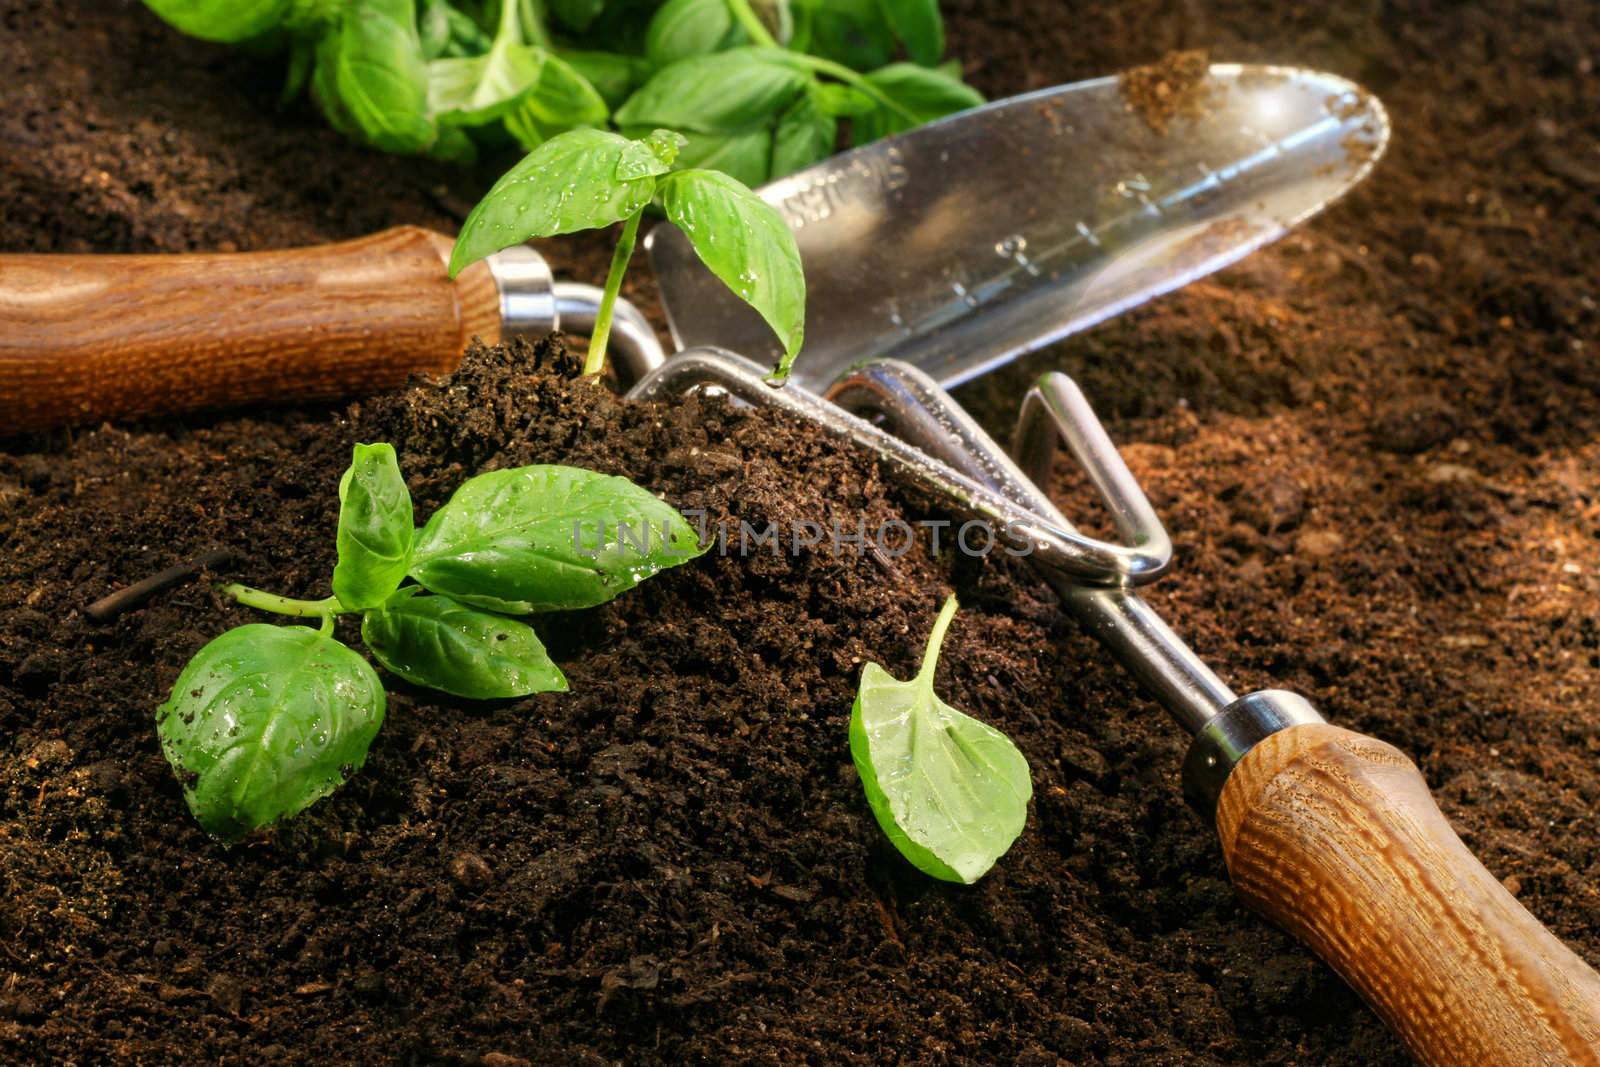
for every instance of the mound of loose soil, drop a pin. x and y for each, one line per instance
(1375, 443)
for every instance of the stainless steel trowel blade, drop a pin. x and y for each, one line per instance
(966, 243)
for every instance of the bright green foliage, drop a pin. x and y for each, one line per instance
(746, 244)
(950, 792)
(436, 642)
(584, 179)
(448, 77)
(266, 720)
(548, 538)
(375, 528)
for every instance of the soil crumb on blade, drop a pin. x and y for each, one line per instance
(1171, 87)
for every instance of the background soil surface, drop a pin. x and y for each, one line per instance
(1375, 444)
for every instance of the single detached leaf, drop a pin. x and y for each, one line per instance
(375, 528)
(747, 244)
(548, 538)
(950, 792)
(727, 92)
(806, 134)
(436, 642)
(923, 93)
(265, 721)
(371, 79)
(919, 25)
(683, 29)
(222, 20)
(568, 183)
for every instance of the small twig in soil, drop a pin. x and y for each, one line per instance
(136, 595)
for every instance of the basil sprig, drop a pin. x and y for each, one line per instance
(266, 720)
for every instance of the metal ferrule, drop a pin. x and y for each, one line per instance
(1223, 741)
(533, 303)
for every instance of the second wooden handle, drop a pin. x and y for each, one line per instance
(1335, 837)
(86, 338)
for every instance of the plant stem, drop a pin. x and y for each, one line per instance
(930, 658)
(533, 29)
(602, 318)
(282, 605)
(747, 18)
(840, 72)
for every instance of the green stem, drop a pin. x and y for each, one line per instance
(746, 17)
(533, 28)
(930, 658)
(283, 605)
(602, 318)
(840, 72)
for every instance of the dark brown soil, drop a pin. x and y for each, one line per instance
(1376, 444)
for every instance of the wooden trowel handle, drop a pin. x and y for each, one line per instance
(85, 338)
(1335, 837)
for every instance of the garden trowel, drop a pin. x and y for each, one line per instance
(954, 247)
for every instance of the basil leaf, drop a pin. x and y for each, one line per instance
(747, 244)
(226, 21)
(682, 29)
(950, 792)
(727, 92)
(265, 721)
(526, 202)
(375, 528)
(852, 32)
(925, 93)
(371, 80)
(480, 89)
(435, 642)
(558, 100)
(841, 101)
(746, 157)
(613, 76)
(919, 24)
(529, 539)
(576, 14)
(805, 135)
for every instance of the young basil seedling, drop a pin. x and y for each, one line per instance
(586, 179)
(266, 720)
(950, 792)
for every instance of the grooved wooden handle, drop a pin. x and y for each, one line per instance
(85, 338)
(1335, 837)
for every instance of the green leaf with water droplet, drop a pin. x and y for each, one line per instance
(950, 792)
(375, 528)
(436, 642)
(265, 721)
(919, 24)
(227, 21)
(568, 183)
(548, 538)
(747, 244)
(746, 157)
(728, 92)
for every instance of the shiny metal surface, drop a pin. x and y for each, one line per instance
(533, 303)
(1223, 742)
(1022, 530)
(1055, 410)
(996, 231)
